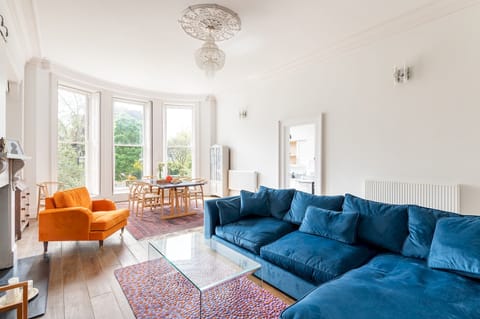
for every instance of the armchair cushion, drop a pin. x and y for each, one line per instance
(75, 197)
(103, 205)
(107, 219)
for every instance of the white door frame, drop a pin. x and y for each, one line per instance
(283, 156)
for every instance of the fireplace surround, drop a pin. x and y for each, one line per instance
(10, 165)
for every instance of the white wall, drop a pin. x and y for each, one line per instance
(426, 130)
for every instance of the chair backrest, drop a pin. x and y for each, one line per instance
(47, 189)
(141, 187)
(75, 197)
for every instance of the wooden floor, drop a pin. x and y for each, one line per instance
(82, 283)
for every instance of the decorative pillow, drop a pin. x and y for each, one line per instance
(421, 226)
(327, 223)
(254, 203)
(380, 224)
(279, 200)
(456, 246)
(302, 200)
(229, 210)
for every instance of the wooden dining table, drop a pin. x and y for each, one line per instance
(176, 209)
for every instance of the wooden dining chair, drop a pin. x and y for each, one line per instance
(184, 195)
(21, 305)
(146, 197)
(196, 192)
(132, 195)
(46, 189)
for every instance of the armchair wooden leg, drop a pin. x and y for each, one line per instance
(100, 243)
(45, 247)
(121, 231)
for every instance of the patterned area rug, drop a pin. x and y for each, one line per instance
(155, 290)
(152, 225)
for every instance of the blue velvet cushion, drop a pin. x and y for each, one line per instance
(279, 200)
(315, 258)
(254, 203)
(302, 200)
(391, 286)
(380, 224)
(254, 232)
(456, 246)
(421, 226)
(330, 224)
(228, 210)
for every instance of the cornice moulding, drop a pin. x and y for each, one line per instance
(95, 84)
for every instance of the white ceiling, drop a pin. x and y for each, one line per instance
(141, 44)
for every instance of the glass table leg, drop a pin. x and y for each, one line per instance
(200, 314)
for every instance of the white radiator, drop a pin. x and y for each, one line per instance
(238, 180)
(444, 197)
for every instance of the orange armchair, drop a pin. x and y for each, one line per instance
(72, 215)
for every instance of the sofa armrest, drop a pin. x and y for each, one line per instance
(211, 217)
(103, 205)
(71, 223)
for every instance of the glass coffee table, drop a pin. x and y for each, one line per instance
(204, 263)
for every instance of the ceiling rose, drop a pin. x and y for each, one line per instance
(210, 23)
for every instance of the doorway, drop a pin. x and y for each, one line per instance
(300, 155)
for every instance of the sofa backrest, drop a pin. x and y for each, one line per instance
(75, 197)
(380, 224)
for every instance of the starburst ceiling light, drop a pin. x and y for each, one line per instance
(210, 23)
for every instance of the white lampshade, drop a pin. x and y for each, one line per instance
(209, 57)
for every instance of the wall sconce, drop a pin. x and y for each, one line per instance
(401, 75)
(242, 114)
(3, 29)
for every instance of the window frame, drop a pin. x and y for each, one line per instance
(92, 134)
(195, 134)
(147, 137)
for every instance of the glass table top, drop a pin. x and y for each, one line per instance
(205, 263)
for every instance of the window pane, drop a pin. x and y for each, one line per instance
(72, 125)
(128, 123)
(128, 139)
(128, 162)
(179, 140)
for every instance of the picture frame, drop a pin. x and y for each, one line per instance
(13, 147)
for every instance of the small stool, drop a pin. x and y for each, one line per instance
(20, 305)
(46, 189)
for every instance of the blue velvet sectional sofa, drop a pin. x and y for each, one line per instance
(345, 257)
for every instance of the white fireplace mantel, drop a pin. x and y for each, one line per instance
(10, 165)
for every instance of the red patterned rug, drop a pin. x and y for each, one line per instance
(155, 290)
(152, 225)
